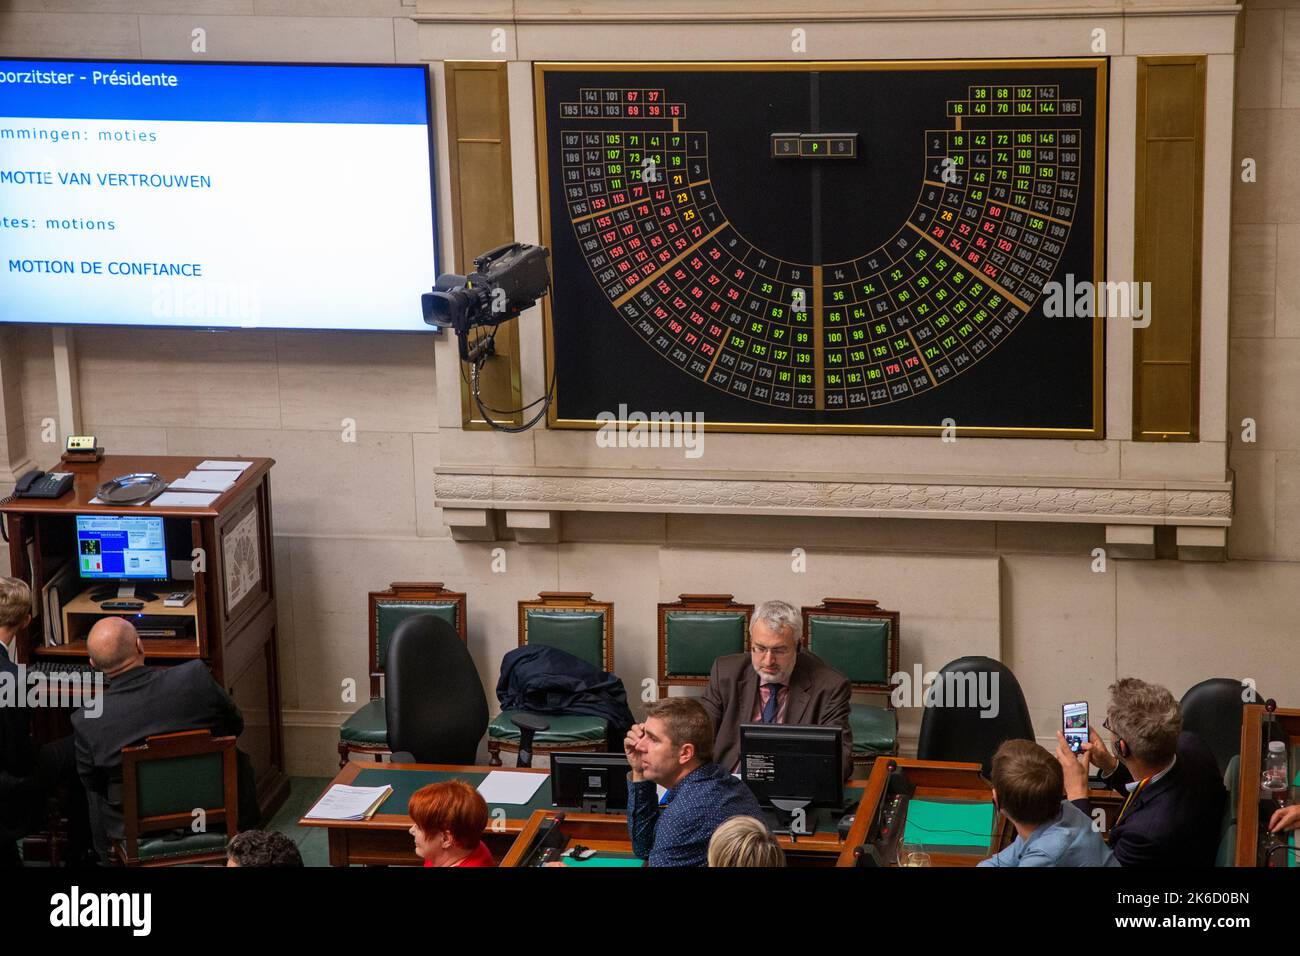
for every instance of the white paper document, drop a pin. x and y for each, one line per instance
(210, 465)
(342, 802)
(217, 481)
(508, 786)
(184, 499)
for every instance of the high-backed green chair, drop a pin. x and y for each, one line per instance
(164, 781)
(860, 640)
(694, 631)
(366, 731)
(573, 622)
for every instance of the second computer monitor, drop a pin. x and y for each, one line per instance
(793, 763)
(595, 783)
(121, 547)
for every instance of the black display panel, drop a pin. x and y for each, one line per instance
(825, 247)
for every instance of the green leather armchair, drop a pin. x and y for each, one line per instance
(366, 731)
(694, 631)
(164, 780)
(860, 640)
(573, 622)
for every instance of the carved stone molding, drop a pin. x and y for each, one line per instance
(527, 12)
(1206, 504)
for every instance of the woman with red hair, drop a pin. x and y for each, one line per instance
(449, 819)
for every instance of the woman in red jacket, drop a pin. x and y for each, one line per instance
(449, 819)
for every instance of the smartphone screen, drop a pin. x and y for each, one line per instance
(1074, 724)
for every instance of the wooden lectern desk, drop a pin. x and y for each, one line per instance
(229, 550)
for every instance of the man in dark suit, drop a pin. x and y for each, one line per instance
(139, 702)
(30, 775)
(1170, 780)
(19, 790)
(775, 683)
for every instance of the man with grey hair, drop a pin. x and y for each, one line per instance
(141, 702)
(1169, 778)
(775, 683)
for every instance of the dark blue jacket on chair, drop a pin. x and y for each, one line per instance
(546, 680)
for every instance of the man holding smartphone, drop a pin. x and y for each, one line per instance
(1169, 778)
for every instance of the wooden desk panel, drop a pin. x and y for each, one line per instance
(931, 778)
(603, 832)
(1253, 723)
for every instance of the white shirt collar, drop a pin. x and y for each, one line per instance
(1131, 786)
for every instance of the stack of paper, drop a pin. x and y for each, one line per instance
(206, 480)
(342, 802)
(184, 499)
(239, 466)
(510, 786)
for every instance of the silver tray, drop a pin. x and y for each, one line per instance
(131, 489)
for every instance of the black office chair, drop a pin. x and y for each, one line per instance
(959, 733)
(1212, 711)
(434, 703)
(530, 725)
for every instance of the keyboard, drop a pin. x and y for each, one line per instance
(46, 666)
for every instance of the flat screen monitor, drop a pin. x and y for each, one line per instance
(122, 548)
(793, 763)
(216, 195)
(595, 783)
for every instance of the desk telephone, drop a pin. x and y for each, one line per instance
(39, 484)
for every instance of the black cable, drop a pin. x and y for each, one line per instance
(498, 426)
(501, 411)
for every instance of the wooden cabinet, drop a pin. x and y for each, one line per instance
(231, 557)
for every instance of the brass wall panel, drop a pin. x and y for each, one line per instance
(1167, 246)
(482, 200)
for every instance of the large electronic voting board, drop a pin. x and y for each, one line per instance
(847, 246)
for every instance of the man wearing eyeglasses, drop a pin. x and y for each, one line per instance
(1173, 794)
(775, 683)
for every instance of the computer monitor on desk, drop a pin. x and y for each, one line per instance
(119, 550)
(593, 783)
(792, 769)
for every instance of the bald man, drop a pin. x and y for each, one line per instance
(139, 702)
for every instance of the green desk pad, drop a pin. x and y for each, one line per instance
(406, 782)
(950, 823)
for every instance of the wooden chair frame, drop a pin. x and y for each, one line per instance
(703, 603)
(398, 591)
(859, 608)
(189, 743)
(559, 600)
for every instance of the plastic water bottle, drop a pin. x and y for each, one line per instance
(1275, 776)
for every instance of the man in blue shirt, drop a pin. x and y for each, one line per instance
(1028, 785)
(674, 749)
